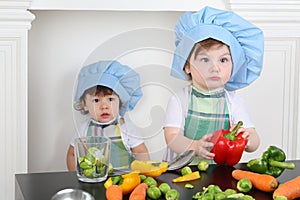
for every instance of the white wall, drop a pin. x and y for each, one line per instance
(60, 42)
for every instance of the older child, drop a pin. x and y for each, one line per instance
(105, 91)
(219, 52)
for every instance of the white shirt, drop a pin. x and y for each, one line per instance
(178, 107)
(129, 134)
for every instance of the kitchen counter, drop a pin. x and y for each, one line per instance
(39, 186)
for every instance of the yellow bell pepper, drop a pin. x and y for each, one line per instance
(188, 177)
(149, 168)
(128, 183)
(108, 183)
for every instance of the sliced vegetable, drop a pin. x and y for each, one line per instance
(110, 168)
(244, 185)
(114, 192)
(108, 183)
(263, 182)
(172, 195)
(139, 192)
(189, 177)
(203, 165)
(116, 179)
(289, 189)
(142, 177)
(215, 193)
(149, 168)
(189, 186)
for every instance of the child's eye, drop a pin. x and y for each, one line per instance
(204, 59)
(111, 99)
(96, 100)
(223, 60)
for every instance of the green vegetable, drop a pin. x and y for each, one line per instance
(203, 165)
(89, 172)
(153, 192)
(172, 194)
(220, 196)
(244, 185)
(208, 196)
(150, 181)
(110, 168)
(164, 187)
(214, 192)
(189, 186)
(229, 192)
(281, 198)
(214, 189)
(116, 180)
(272, 162)
(247, 197)
(186, 170)
(93, 164)
(142, 177)
(236, 195)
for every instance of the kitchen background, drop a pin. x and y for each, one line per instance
(43, 44)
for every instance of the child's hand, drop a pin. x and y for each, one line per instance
(245, 134)
(204, 144)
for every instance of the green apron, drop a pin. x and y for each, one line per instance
(119, 156)
(207, 113)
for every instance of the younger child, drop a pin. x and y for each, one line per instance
(106, 90)
(219, 52)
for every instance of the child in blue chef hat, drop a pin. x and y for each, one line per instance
(105, 91)
(218, 52)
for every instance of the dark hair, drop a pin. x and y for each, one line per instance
(96, 90)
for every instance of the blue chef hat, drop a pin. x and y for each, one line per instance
(124, 81)
(246, 43)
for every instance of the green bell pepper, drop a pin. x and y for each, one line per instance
(272, 162)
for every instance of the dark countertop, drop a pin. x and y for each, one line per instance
(39, 186)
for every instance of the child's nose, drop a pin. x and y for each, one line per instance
(104, 105)
(215, 66)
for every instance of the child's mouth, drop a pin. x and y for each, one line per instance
(105, 115)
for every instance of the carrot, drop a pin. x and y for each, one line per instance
(263, 182)
(114, 192)
(289, 189)
(139, 192)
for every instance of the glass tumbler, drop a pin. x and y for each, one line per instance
(92, 156)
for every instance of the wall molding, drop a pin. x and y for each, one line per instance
(15, 21)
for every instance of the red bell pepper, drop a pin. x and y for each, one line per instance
(228, 148)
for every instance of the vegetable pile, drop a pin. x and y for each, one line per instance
(215, 192)
(263, 182)
(93, 164)
(138, 187)
(272, 162)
